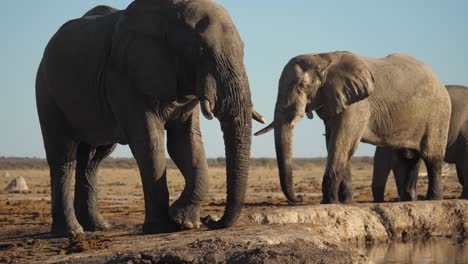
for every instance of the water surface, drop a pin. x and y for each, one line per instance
(434, 250)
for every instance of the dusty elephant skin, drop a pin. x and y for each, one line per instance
(394, 101)
(406, 168)
(127, 76)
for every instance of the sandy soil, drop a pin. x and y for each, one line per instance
(269, 231)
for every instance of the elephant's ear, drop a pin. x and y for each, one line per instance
(140, 49)
(346, 80)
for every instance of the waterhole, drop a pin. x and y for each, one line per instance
(434, 250)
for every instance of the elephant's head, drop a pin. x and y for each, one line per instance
(326, 83)
(177, 49)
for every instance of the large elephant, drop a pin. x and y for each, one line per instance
(405, 165)
(127, 77)
(394, 101)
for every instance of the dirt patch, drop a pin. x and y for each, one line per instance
(218, 251)
(270, 230)
(79, 243)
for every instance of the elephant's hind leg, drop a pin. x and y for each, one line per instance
(61, 154)
(382, 166)
(86, 192)
(185, 146)
(406, 176)
(462, 173)
(433, 158)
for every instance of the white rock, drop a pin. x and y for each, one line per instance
(17, 184)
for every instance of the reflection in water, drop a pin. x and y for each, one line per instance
(435, 250)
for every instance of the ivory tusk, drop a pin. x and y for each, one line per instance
(295, 120)
(206, 109)
(258, 117)
(184, 100)
(266, 129)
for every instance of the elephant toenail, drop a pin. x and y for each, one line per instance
(188, 225)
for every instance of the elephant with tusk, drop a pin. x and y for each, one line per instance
(395, 101)
(133, 77)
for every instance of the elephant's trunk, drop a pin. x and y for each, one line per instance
(283, 145)
(235, 115)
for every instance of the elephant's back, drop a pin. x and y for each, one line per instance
(83, 33)
(403, 76)
(72, 70)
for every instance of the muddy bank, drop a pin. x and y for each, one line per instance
(270, 231)
(318, 233)
(365, 223)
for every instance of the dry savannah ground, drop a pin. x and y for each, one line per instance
(270, 230)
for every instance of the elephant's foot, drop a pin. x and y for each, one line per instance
(378, 200)
(159, 227)
(346, 197)
(62, 229)
(92, 220)
(434, 196)
(409, 197)
(329, 201)
(464, 194)
(186, 216)
(347, 200)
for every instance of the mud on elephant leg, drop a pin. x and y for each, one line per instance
(186, 149)
(86, 192)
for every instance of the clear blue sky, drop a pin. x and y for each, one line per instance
(436, 32)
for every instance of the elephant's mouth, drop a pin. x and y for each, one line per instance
(310, 109)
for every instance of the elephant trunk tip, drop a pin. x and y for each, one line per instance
(295, 199)
(209, 222)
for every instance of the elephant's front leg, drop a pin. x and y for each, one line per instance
(345, 191)
(345, 135)
(185, 146)
(147, 144)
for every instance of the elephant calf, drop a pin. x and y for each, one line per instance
(406, 167)
(394, 101)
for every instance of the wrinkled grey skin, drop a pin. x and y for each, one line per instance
(127, 77)
(394, 101)
(405, 164)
